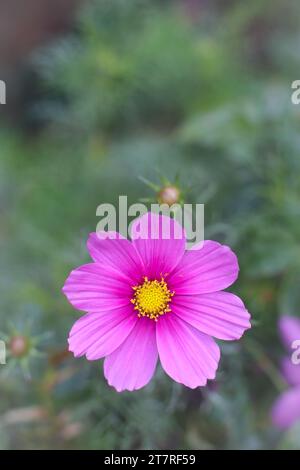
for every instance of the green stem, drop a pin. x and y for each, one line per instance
(266, 364)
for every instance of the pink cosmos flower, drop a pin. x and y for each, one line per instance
(286, 410)
(150, 298)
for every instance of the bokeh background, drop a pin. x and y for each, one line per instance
(112, 97)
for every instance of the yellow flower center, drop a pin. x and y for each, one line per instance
(152, 298)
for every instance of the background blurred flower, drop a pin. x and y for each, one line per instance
(286, 410)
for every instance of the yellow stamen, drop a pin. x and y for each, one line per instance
(152, 298)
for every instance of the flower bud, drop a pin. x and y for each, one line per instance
(19, 346)
(169, 195)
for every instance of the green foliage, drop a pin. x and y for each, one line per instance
(141, 89)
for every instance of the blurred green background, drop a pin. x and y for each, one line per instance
(193, 91)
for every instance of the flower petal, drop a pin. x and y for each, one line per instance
(291, 371)
(160, 241)
(132, 365)
(286, 410)
(94, 288)
(111, 249)
(289, 328)
(187, 355)
(220, 314)
(209, 269)
(98, 334)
